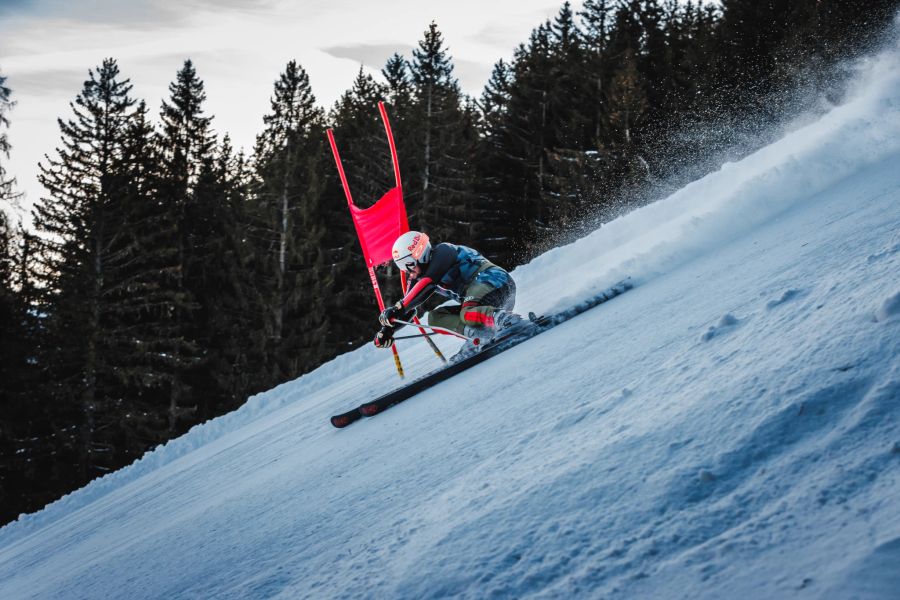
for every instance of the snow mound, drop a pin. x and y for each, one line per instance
(889, 308)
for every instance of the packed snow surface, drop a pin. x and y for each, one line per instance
(727, 429)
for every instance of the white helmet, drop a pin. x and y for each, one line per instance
(410, 249)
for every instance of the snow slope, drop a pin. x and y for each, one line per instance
(729, 428)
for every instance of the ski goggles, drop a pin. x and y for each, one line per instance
(407, 263)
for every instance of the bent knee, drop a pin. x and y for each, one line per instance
(477, 316)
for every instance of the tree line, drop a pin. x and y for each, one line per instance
(168, 277)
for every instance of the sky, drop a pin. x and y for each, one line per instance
(239, 48)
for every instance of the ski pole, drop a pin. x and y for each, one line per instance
(437, 351)
(403, 282)
(440, 330)
(418, 335)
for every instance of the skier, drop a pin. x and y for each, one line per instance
(486, 293)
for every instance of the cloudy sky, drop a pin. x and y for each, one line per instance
(239, 47)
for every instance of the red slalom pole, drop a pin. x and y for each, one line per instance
(396, 163)
(372, 277)
(390, 136)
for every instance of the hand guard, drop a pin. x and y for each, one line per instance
(384, 338)
(391, 312)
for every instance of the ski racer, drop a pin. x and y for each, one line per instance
(486, 293)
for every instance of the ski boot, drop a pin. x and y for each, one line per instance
(506, 324)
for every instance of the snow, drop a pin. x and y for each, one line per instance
(728, 428)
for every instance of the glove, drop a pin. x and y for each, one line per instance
(385, 337)
(391, 312)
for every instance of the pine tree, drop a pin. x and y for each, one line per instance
(217, 276)
(522, 141)
(597, 17)
(291, 225)
(187, 145)
(5, 105)
(187, 137)
(690, 33)
(628, 105)
(571, 90)
(690, 30)
(37, 464)
(441, 192)
(546, 143)
(81, 260)
(206, 188)
(569, 152)
(148, 295)
(250, 361)
(11, 355)
(836, 29)
(9, 319)
(399, 87)
(25, 440)
(7, 184)
(749, 36)
(494, 232)
(654, 66)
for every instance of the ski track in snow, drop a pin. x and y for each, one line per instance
(728, 428)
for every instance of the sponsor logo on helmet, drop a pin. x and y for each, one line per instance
(417, 248)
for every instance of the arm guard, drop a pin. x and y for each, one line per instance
(418, 293)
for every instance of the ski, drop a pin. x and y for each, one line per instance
(504, 341)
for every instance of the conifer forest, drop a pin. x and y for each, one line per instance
(168, 276)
